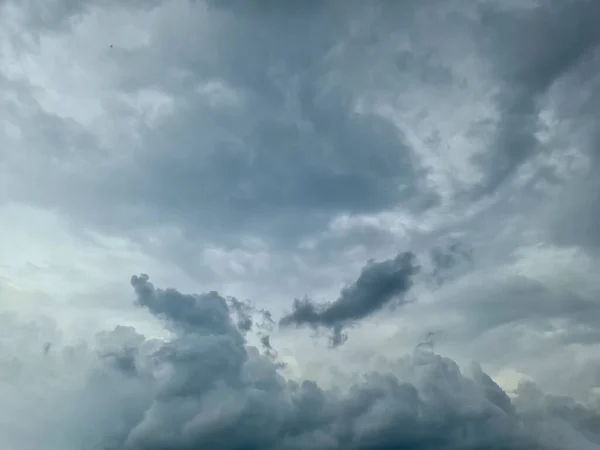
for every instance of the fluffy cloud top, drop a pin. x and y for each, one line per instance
(206, 387)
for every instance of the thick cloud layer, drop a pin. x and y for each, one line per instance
(278, 135)
(266, 149)
(379, 284)
(205, 387)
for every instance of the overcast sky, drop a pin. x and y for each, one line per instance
(299, 224)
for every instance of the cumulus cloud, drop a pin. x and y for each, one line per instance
(205, 386)
(378, 284)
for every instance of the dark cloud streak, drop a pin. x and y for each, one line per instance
(379, 284)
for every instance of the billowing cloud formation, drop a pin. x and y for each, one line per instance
(379, 284)
(266, 149)
(205, 387)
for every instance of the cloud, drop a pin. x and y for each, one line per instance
(534, 50)
(206, 387)
(291, 148)
(448, 260)
(287, 158)
(378, 284)
(206, 143)
(266, 134)
(61, 14)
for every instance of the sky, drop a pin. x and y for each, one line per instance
(289, 225)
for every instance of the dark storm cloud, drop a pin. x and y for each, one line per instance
(532, 50)
(378, 284)
(292, 154)
(547, 41)
(286, 179)
(288, 151)
(206, 388)
(208, 312)
(279, 151)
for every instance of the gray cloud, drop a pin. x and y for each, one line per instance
(208, 312)
(533, 50)
(290, 156)
(378, 284)
(502, 304)
(384, 126)
(59, 15)
(265, 137)
(533, 404)
(575, 224)
(449, 259)
(206, 387)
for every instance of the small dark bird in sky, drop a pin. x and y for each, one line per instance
(111, 46)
